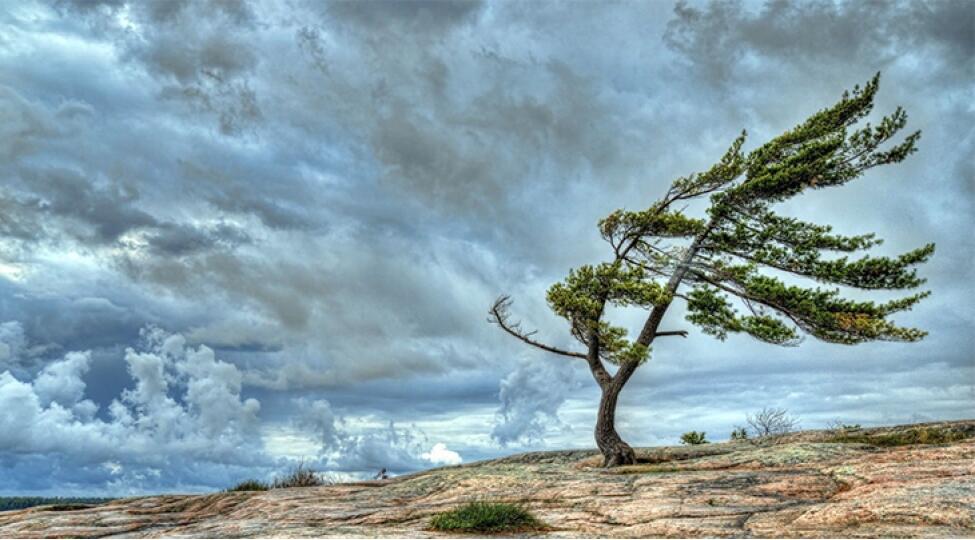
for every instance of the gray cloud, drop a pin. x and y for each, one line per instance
(720, 37)
(183, 239)
(200, 52)
(330, 196)
(419, 16)
(96, 214)
(12, 345)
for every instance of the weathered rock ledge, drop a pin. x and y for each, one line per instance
(802, 485)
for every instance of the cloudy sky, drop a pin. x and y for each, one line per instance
(239, 234)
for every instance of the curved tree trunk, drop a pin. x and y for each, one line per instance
(615, 451)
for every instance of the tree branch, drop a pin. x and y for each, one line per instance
(744, 296)
(499, 316)
(657, 313)
(681, 333)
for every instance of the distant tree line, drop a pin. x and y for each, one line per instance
(17, 503)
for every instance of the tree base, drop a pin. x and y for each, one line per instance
(619, 456)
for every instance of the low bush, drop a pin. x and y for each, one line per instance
(839, 425)
(739, 434)
(300, 476)
(771, 421)
(250, 485)
(693, 437)
(923, 435)
(486, 517)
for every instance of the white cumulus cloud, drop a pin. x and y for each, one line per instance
(441, 455)
(530, 400)
(182, 425)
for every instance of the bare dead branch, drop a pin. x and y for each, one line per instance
(681, 333)
(772, 421)
(500, 316)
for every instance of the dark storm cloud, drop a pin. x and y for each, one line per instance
(461, 146)
(107, 212)
(419, 16)
(199, 51)
(81, 323)
(183, 239)
(719, 37)
(48, 202)
(330, 196)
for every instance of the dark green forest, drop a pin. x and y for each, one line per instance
(16, 503)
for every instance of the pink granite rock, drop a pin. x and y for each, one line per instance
(802, 485)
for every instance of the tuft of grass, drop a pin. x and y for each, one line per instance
(250, 485)
(486, 517)
(739, 434)
(300, 476)
(923, 435)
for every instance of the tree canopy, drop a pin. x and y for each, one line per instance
(730, 265)
(725, 254)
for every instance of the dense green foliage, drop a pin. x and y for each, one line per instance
(694, 437)
(486, 517)
(250, 485)
(743, 236)
(16, 503)
(725, 256)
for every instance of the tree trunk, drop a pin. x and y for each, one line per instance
(615, 451)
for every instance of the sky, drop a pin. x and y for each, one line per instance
(240, 235)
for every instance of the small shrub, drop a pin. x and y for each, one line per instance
(837, 425)
(924, 435)
(739, 434)
(770, 421)
(250, 485)
(300, 476)
(486, 517)
(693, 437)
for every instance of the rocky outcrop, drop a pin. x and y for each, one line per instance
(852, 483)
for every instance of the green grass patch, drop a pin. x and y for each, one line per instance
(486, 517)
(923, 435)
(250, 485)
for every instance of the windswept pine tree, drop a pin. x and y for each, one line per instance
(727, 265)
